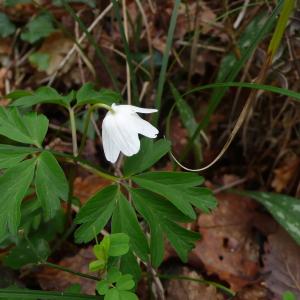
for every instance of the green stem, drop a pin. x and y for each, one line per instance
(98, 172)
(84, 164)
(87, 123)
(203, 281)
(73, 131)
(58, 267)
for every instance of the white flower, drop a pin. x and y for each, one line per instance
(121, 128)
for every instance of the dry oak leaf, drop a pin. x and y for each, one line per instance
(228, 247)
(282, 264)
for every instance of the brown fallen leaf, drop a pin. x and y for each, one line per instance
(190, 290)
(254, 292)
(282, 264)
(86, 187)
(57, 45)
(284, 174)
(228, 247)
(56, 280)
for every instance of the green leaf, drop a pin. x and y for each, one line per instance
(97, 265)
(13, 187)
(179, 189)
(51, 184)
(101, 250)
(285, 209)
(88, 95)
(95, 213)
(125, 220)
(18, 94)
(29, 129)
(187, 117)
(125, 283)
(129, 264)
(124, 295)
(10, 155)
(102, 287)
(287, 9)
(44, 94)
(40, 60)
(39, 27)
(6, 26)
(119, 244)
(161, 217)
(112, 294)
(113, 275)
(150, 153)
(27, 253)
(178, 179)
(288, 296)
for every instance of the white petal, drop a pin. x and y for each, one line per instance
(124, 134)
(143, 110)
(143, 127)
(132, 108)
(111, 149)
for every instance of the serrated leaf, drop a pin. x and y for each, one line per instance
(40, 60)
(10, 155)
(88, 95)
(51, 184)
(39, 27)
(6, 26)
(27, 253)
(44, 94)
(95, 213)
(148, 205)
(125, 220)
(150, 153)
(179, 179)
(179, 188)
(285, 209)
(119, 244)
(13, 187)
(28, 129)
(18, 94)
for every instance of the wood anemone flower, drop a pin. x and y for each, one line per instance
(121, 128)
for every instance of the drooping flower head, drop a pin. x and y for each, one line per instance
(121, 128)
